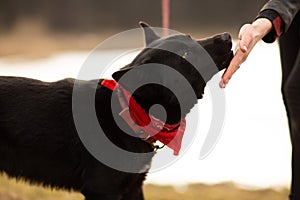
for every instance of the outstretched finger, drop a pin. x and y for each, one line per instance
(233, 67)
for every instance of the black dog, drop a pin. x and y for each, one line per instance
(39, 141)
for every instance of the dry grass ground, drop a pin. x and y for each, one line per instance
(10, 189)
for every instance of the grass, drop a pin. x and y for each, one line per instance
(223, 191)
(10, 189)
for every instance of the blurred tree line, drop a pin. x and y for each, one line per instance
(91, 15)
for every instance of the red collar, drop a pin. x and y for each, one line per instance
(145, 125)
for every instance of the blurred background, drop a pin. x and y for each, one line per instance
(75, 24)
(98, 15)
(51, 39)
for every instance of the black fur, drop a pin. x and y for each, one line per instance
(38, 139)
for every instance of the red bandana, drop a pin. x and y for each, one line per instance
(146, 125)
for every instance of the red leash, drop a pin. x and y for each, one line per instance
(165, 4)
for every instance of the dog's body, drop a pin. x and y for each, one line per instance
(39, 141)
(54, 156)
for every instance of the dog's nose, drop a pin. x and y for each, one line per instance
(226, 37)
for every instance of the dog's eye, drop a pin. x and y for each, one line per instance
(185, 54)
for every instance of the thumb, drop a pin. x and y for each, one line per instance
(245, 37)
(244, 44)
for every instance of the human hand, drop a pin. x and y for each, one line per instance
(249, 35)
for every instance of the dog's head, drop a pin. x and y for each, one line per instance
(195, 60)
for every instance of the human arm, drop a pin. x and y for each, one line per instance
(273, 20)
(249, 35)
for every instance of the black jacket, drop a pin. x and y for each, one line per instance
(281, 13)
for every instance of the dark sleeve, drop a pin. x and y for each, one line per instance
(281, 14)
(278, 25)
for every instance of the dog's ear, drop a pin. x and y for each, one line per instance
(118, 74)
(138, 75)
(150, 35)
(134, 78)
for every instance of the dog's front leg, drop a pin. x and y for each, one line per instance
(134, 194)
(102, 197)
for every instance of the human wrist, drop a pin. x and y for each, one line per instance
(262, 26)
(277, 24)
